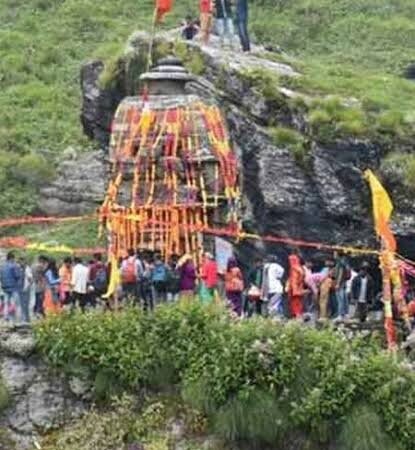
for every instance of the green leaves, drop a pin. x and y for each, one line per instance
(255, 380)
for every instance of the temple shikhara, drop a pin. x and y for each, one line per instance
(174, 171)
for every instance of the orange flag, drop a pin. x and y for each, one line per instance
(382, 210)
(162, 8)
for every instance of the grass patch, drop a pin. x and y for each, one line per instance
(400, 166)
(331, 118)
(293, 141)
(265, 82)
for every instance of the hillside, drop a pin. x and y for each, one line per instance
(351, 48)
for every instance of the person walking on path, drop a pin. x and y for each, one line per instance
(234, 286)
(98, 278)
(272, 286)
(39, 270)
(187, 278)
(173, 280)
(159, 277)
(242, 24)
(253, 299)
(363, 292)
(209, 278)
(342, 274)
(65, 275)
(296, 286)
(224, 21)
(129, 275)
(26, 290)
(206, 13)
(10, 278)
(51, 302)
(326, 287)
(80, 278)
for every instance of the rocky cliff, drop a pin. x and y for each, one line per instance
(295, 182)
(34, 400)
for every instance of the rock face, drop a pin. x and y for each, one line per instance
(79, 187)
(38, 400)
(324, 199)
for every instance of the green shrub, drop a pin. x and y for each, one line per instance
(283, 136)
(191, 57)
(292, 140)
(225, 368)
(318, 117)
(265, 82)
(364, 430)
(253, 416)
(391, 122)
(402, 167)
(33, 170)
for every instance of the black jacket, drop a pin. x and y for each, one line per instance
(370, 290)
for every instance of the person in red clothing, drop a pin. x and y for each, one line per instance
(206, 11)
(296, 285)
(209, 277)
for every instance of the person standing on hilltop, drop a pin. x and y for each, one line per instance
(242, 24)
(224, 21)
(206, 11)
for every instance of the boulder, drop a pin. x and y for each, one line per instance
(38, 400)
(321, 198)
(79, 187)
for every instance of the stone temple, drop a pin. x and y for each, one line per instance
(174, 173)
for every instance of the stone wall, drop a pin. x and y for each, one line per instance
(39, 400)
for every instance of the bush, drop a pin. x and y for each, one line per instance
(363, 430)
(311, 379)
(400, 166)
(265, 82)
(331, 118)
(391, 122)
(33, 170)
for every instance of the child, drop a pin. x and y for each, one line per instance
(190, 29)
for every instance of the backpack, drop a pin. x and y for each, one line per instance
(100, 282)
(159, 273)
(129, 274)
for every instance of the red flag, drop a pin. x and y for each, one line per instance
(162, 8)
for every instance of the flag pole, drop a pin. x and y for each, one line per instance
(151, 43)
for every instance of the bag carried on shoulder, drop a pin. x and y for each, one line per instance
(129, 274)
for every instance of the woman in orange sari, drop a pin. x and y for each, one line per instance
(296, 286)
(51, 302)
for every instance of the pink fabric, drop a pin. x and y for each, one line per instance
(209, 273)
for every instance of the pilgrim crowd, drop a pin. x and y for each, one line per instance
(331, 291)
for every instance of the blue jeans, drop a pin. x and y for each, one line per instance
(342, 302)
(242, 24)
(11, 298)
(225, 29)
(24, 298)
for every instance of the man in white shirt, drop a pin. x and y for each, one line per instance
(80, 277)
(272, 286)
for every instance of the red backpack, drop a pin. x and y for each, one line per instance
(129, 273)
